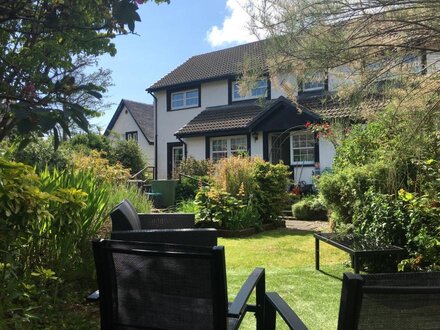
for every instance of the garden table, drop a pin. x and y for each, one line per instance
(357, 247)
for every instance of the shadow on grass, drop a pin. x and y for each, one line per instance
(275, 233)
(331, 275)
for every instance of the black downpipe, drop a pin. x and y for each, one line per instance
(185, 153)
(155, 134)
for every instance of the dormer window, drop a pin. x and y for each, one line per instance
(185, 99)
(315, 82)
(260, 89)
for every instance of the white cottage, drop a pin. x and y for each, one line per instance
(134, 120)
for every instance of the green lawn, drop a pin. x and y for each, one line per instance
(289, 259)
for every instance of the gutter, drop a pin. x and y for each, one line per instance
(155, 134)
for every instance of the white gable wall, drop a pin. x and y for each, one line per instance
(126, 123)
(169, 122)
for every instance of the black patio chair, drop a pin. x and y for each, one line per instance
(125, 217)
(191, 236)
(163, 286)
(377, 301)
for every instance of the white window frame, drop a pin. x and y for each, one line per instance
(185, 99)
(229, 151)
(132, 135)
(174, 164)
(249, 95)
(293, 135)
(314, 80)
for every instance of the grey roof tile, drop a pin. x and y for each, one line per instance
(222, 63)
(143, 115)
(222, 118)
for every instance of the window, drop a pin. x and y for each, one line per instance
(227, 146)
(259, 90)
(314, 83)
(303, 148)
(131, 135)
(185, 99)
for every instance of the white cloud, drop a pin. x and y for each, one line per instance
(234, 28)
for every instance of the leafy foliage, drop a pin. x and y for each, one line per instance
(129, 154)
(44, 45)
(270, 195)
(47, 222)
(309, 208)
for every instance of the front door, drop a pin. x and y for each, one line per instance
(175, 157)
(279, 148)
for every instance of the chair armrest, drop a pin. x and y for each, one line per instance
(238, 306)
(94, 296)
(274, 303)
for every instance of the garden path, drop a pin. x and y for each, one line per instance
(308, 225)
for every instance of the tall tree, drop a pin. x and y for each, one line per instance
(362, 41)
(43, 44)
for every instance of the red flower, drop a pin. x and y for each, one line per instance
(308, 124)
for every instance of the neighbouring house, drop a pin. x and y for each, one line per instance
(201, 112)
(134, 121)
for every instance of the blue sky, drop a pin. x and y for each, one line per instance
(167, 36)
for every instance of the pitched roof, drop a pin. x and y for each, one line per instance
(329, 107)
(244, 116)
(143, 115)
(221, 119)
(219, 64)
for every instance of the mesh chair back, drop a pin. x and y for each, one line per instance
(390, 301)
(193, 236)
(124, 217)
(159, 286)
(168, 220)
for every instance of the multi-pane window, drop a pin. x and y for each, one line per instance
(313, 83)
(185, 99)
(131, 135)
(227, 146)
(258, 90)
(177, 154)
(302, 147)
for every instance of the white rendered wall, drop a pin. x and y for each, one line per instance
(169, 122)
(257, 146)
(432, 62)
(125, 123)
(327, 154)
(196, 147)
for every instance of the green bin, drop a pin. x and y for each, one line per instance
(167, 189)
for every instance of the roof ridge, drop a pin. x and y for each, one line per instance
(127, 100)
(228, 48)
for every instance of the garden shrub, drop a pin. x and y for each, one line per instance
(47, 223)
(236, 173)
(243, 188)
(409, 221)
(270, 195)
(131, 192)
(187, 206)
(90, 141)
(343, 190)
(41, 153)
(309, 208)
(219, 208)
(129, 154)
(197, 168)
(200, 170)
(216, 206)
(100, 166)
(385, 183)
